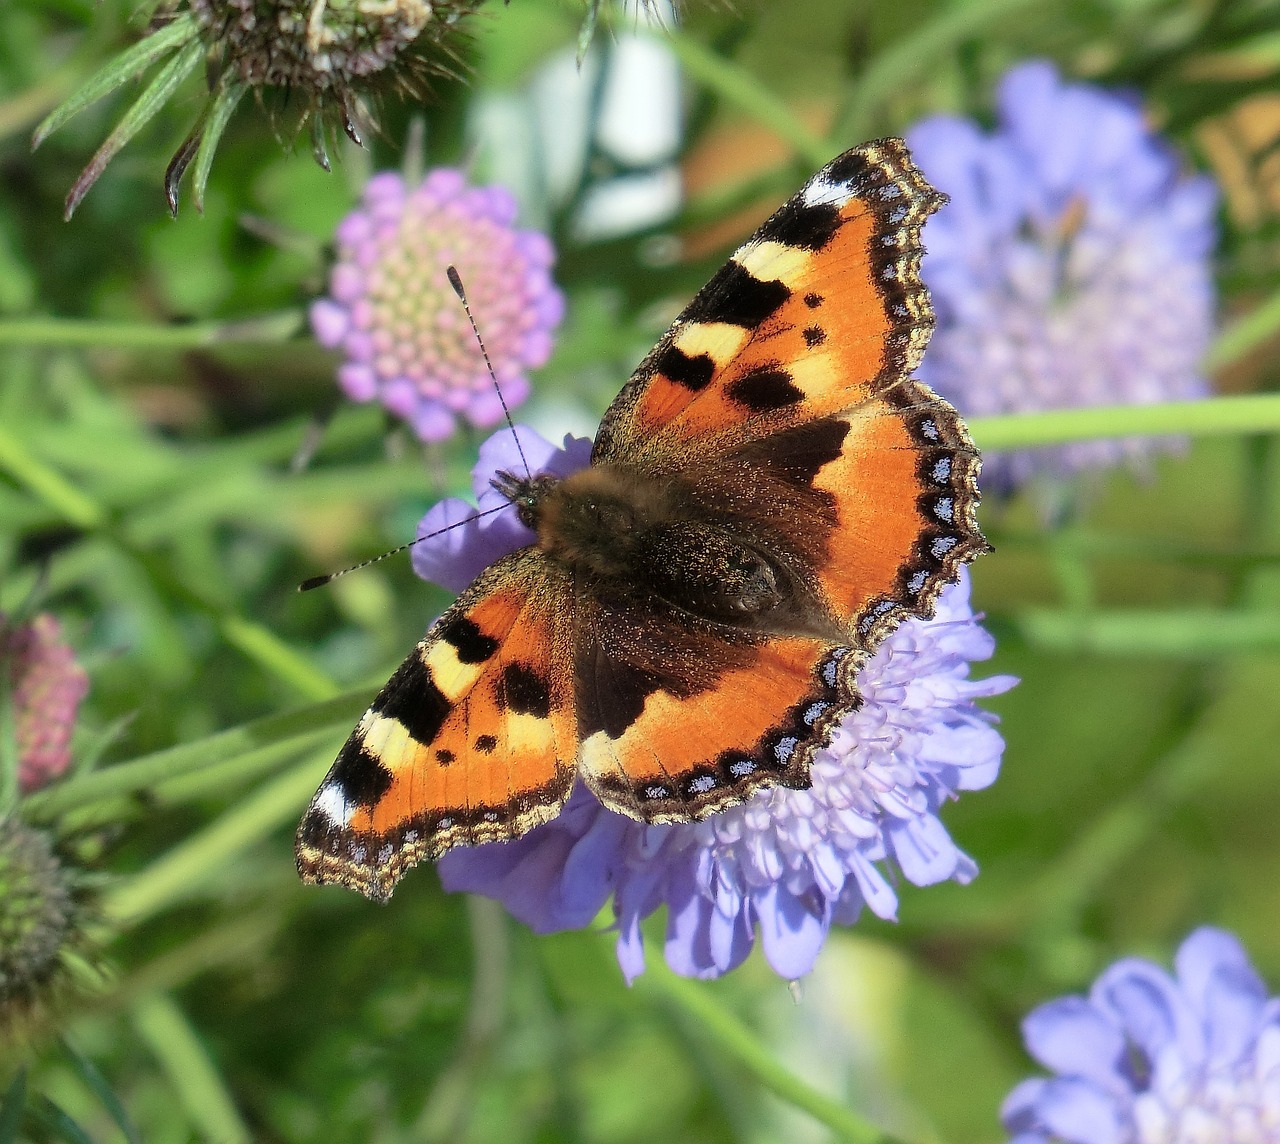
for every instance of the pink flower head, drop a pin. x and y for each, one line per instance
(46, 687)
(402, 331)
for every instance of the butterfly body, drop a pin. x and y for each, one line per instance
(768, 497)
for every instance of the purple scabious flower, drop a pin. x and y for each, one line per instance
(1071, 267)
(1148, 1058)
(46, 687)
(398, 323)
(785, 865)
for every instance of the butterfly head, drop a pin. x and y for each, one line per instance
(526, 493)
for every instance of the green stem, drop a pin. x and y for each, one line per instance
(1246, 333)
(739, 88)
(696, 1002)
(1214, 416)
(186, 869)
(893, 70)
(266, 649)
(50, 331)
(1166, 634)
(239, 743)
(48, 484)
(177, 1047)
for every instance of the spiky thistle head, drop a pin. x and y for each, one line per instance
(325, 60)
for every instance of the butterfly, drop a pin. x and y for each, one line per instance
(768, 497)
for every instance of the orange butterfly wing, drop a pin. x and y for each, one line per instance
(796, 359)
(472, 740)
(781, 397)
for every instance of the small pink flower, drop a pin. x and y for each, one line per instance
(47, 685)
(399, 325)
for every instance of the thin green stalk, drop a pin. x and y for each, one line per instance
(696, 1002)
(267, 329)
(177, 1047)
(186, 868)
(274, 732)
(48, 484)
(1246, 333)
(894, 69)
(1163, 633)
(1215, 416)
(743, 91)
(266, 649)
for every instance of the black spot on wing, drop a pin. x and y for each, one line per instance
(812, 300)
(737, 297)
(694, 373)
(360, 776)
(444, 757)
(798, 224)
(814, 336)
(523, 691)
(799, 453)
(467, 640)
(485, 744)
(765, 388)
(412, 698)
(612, 692)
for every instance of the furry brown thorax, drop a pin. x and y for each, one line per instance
(636, 536)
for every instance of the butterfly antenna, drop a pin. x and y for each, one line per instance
(321, 581)
(455, 281)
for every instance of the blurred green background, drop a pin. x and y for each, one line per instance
(153, 479)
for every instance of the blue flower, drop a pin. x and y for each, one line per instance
(1148, 1058)
(1071, 267)
(784, 866)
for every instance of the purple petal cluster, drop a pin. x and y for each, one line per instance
(1071, 267)
(400, 327)
(47, 685)
(1149, 1058)
(785, 866)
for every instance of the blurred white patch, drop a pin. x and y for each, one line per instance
(332, 803)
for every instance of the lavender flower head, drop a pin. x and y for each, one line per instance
(785, 865)
(1071, 267)
(399, 325)
(46, 687)
(1148, 1058)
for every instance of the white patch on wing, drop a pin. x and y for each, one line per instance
(820, 191)
(333, 804)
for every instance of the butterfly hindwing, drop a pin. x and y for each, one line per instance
(472, 740)
(678, 723)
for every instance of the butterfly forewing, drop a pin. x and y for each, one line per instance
(472, 740)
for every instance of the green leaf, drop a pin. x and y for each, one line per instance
(144, 109)
(15, 1102)
(145, 772)
(118, 72)
(53, 1120)
(192, 1072)
(88, 1072)
(224, 106)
